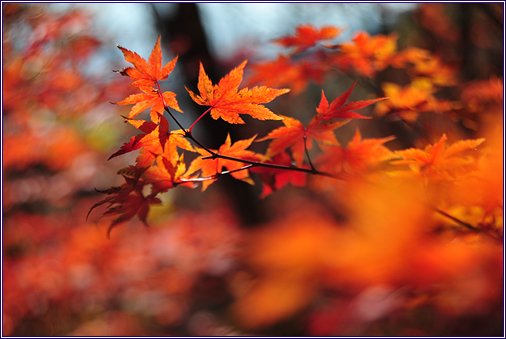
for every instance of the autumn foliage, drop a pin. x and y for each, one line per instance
(386, 199)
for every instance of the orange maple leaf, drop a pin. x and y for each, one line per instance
(421, 63)
(367, 55)
(166, 174)
(438, 162)
(476, 94)
(144, 74)
(357, 157)
(292, 136)
(211, 167)
(284, 72)
(409, 101)
(227, 102)
(307, 36)
(150, 97)
(337, 110)
(156, 140)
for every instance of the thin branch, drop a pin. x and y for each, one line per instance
(236, 170)
(186, 133)
(184, 180)
(167, 107)
(214, 155)
(307, 154)
(211, 177)
(458, 221)
(263, 164)
(466, 225)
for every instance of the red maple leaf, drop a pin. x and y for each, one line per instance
(137, 141)
(274, 179)
(357, 157)
(126, 201)
(156, 140)
(292, 136)
(336, 110)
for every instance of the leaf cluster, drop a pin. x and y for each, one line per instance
(161, 164)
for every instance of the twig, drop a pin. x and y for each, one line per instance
(214, 155)
(466, 225)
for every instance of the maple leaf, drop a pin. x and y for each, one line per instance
(211, 167)
(285, 72)
(409, 56)
(357, 157)
(144, 74)
(409, 101)
(166, 174)
(337, 110)
(477, 93)
(150, 97)
(421, 63)
(274, 179)
(292, 136)
(434, 69)
(367, 55)
(307, 36)
(126, 201)
(227, 102)
(438, 162)
(156, 140)
(135, 142)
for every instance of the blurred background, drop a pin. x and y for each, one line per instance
(223, 261)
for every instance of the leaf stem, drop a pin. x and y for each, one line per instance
(201, 116)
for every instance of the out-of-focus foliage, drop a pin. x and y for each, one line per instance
(55, 122)
(407, 241)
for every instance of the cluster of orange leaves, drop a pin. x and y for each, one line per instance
(72, 273)
(430, 179)
(420, 228)
(161, 165)
(34, 77)
(49, 104)
(364, 56)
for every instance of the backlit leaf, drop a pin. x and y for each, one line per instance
(338, 109)
(307, 36)
(211, 167)
(292, 136)
(227, 102)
